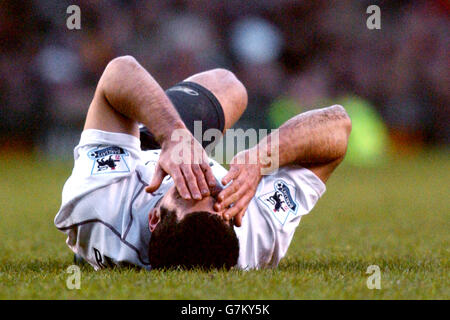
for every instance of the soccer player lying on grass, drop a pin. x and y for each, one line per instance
(128, 202)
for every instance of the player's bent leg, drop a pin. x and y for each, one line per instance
(227, 88)
(199, 109)
(215, 98)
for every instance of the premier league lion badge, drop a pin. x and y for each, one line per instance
(280, 201)
(108, 160)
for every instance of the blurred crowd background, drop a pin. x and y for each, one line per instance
(291, 55)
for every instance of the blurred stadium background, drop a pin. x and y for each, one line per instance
(388, 203)
(291, 55)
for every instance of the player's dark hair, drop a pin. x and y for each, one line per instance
(200, 239)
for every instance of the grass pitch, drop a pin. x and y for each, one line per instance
(395, 216)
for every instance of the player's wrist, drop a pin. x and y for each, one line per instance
(254, 159)
(172, 135)
(263, 163)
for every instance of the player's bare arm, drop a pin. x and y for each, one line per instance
(316, 140)
(126, 95)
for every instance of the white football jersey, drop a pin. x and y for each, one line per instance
(105, 208)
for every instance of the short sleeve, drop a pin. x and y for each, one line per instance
(104, 210)
(100, 159)
(274, 214)
(289, 193)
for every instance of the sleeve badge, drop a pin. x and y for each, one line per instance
(281, 201)
(108, 160)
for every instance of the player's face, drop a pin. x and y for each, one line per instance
(173, 201)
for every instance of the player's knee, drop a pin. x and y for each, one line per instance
(235, 89)
(228, 89)
(123, 62)
(221, 73)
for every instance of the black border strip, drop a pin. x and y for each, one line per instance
(234, 309)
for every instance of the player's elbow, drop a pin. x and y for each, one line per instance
(122, 63)
(345, 121)
(342, 130)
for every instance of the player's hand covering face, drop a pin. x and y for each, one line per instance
(245, 174)
(185, 160)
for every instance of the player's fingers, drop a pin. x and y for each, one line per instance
(238, 210)
(201, 182)
(191, 181)
(225, 193)
(232, 174)
(230, 213)
(238, 218)
(156, 180)
(232, 197)
(207, 171)
(180, 184)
